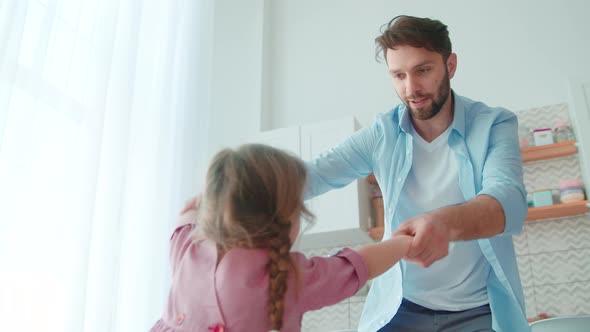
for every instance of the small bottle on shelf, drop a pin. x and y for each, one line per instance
(562, 132)
(525, 137)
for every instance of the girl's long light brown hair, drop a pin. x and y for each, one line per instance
(251, 195)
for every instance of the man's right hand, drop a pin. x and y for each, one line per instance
(430, 242)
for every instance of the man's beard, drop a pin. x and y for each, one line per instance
(437, 104)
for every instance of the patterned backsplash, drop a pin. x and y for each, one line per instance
(553, 255)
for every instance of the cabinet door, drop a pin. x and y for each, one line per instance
(341, 214)
(580, 112)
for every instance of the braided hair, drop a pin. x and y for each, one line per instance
(253, 197)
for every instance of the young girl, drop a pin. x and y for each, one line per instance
(231, 262)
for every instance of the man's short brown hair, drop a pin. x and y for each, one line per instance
(416, 32)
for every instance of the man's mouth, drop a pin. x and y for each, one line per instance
(419, 102)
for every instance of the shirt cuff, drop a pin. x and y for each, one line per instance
(357, 262)
(513, 204)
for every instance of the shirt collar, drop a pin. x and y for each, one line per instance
(458, 124)
(404, 119)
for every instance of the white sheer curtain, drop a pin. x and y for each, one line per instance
(103, 117)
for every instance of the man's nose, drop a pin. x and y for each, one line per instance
(412, 86)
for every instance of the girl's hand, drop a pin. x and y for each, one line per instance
(192, 204)
(189, 212)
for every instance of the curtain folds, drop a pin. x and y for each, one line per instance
(104, 110)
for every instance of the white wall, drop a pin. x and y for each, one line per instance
(236, 72)
(517, 54)
(279, 63)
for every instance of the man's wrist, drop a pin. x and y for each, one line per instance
(447, 219)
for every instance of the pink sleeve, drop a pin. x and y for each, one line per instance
(329, 280)
(179, 243)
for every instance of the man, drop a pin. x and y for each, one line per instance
(451, 172)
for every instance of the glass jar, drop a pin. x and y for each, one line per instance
(562, 132)
(525, 137)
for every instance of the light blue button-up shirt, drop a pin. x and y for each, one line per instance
(485, 142)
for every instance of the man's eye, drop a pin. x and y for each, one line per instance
(424, 70)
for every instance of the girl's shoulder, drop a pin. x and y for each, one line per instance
(185, 230)
(184, 239)
(181, 235)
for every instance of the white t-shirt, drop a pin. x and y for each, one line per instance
(458, 281)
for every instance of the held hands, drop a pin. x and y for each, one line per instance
(430, 239)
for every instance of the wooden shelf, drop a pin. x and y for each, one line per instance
(549, 151)
(544, 212)
(535, 153)
(558, 210)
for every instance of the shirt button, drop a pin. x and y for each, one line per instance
(399, 179)
(217, 328)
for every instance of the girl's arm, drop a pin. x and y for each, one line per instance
(329, 280)
(381, 256)
(191, 204)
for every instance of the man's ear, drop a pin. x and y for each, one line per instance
(452, 64)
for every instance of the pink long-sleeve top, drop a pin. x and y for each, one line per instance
(232, 296)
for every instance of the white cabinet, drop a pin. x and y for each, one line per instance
(342, 215)
(288, 139)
